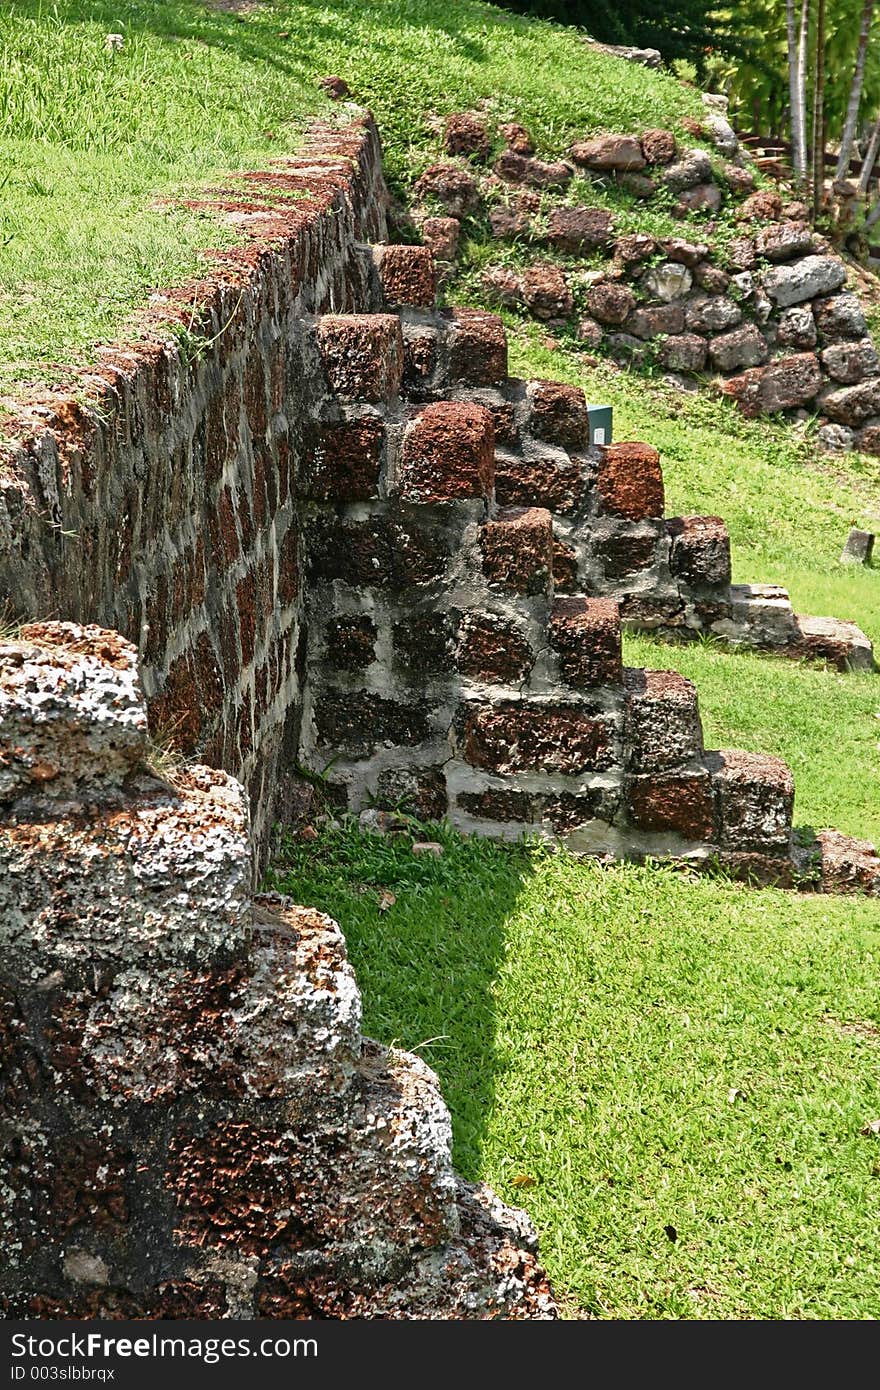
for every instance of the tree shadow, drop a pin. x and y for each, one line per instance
(427, 961)
(286, 37)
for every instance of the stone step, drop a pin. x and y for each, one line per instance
(842, 864)
(406, 276)
(361, 356)
(842, 644)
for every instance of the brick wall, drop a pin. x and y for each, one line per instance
(167, 505)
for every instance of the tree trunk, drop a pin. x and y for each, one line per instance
(799, 101)
(791, 33)
(855, 93)
(870, 158)
(819, 110)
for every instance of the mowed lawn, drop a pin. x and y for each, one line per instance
(675, 1077)
(97, 141)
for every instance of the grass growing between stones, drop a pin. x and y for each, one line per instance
(672, 1076)
(90, 136)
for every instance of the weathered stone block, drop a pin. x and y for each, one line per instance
(840, 318)
(694, 168)
(441, 236)
(613, 152)
(853, 405)
(345, 460)
(514, 736)
(662, 728)
(669, 281)
(543, 482)
(703, 197)
(610, 302)
(848, 865)
(814, 275)
(630, 480)
(859, 547)
(700, 549)
(415, 791)
(448, 453)
(744, 347)
(451, 187)
(546, 292)
(712, 314)
(358, 722)
(477, 348)
(658, 146)
(850, 362)
(380, 552)
(783, 241)
(466, 132)
(362, 355)
(424, 642)
(518, 550)
(649, 323)
(679, 803)
(558, 414)
(350, 641)
(755, 799)
(625, 552)
(575, 230)
(493, 650)
(683, 352)
(71, 710)
(497, 804)
(585, 633)
(406, 275)
(783, 385)
(518, 168)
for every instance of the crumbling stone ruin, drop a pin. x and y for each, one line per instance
(767, 314)
(326, 528)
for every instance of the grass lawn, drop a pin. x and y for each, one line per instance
(89, 136)
(671, 1076)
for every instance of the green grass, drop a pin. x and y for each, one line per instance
(625, 1050)
(89, 138)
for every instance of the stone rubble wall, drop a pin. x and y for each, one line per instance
(191, 1124)
(766, 314)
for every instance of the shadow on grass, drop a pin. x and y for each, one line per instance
(428, 961)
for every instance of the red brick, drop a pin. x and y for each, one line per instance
(630, 480)
(585, 633)
(448, 453)
(476, 348)
(362, 355)
(566, 578)
(518, 550)
(680, 803)
(345, 460)
(246, 603)
(407, 275)
(350, 641)
(513, 737)
(559, 415)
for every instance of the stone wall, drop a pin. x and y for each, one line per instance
(160, 498)
(765, 314)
